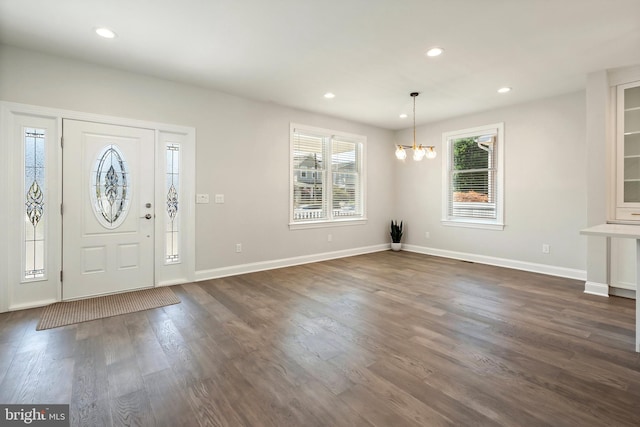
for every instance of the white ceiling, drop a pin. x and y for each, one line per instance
(370, 53)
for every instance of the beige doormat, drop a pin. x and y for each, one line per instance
(68, 313)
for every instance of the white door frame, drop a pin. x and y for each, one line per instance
(11, 191)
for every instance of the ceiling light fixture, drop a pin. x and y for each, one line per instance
(329, 95)
(403, 116)
(105, 32)
(504, 89)
(419, 151)
(434, 51)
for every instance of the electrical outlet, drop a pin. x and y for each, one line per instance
(238, 247)
(546, 249)
(329, 238)
(426, 235)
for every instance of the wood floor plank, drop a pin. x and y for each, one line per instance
(22, 381)
(375, 409)
(89, 403)
(474, 393)
(175, 349)
(116, 341)
(210, 406)
(54, 386)
(133, 409)
(398, 400)
(124, 377)
(168, 401)
(449, 407)
(329, 408)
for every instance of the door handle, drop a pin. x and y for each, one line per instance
(147, 216)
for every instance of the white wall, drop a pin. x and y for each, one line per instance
(242, 152)
(545, 187)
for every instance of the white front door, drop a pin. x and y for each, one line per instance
(108, 212)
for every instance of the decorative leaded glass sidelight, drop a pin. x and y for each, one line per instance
(35, 222)
(172, 252)
(110, 187)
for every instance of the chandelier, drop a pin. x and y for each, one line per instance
(419, 151)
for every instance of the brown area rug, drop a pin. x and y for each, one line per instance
(68, 313)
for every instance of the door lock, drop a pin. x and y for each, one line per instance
(147, 216)
(148, 205)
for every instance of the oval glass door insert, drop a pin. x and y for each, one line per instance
(110, 187)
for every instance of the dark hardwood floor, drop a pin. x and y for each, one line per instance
(386, 339)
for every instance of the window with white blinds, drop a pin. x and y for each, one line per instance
(474, 177)
(326, 176)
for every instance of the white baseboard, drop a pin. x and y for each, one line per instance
(501, 262)
(233, 270)
(621, 292)
(34, 304)
(172, 282)
(594, 288)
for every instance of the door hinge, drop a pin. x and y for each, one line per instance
(60, 276)
(60, 208)
(61, 142)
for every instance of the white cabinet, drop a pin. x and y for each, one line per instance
(628, 152)
(627, 208)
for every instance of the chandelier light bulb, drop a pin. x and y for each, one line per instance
(418, 154)
(401, 154)
(431, 153)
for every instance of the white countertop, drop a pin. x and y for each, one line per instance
(613, 230)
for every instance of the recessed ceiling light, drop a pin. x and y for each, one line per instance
(435, 51)
(105, 32)
(403, 116)
(329, 95)
(504, 89)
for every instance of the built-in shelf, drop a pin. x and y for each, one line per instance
(628, 151)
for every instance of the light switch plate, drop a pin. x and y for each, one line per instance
(202, 198)
(219, 198)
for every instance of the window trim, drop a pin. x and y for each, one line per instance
(484, 223)
(330, 221)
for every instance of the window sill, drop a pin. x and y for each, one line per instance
(323, 224)
(473, 224)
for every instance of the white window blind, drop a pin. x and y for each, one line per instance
(345, 178)
(309, 175)
(474, 176)
(326, 175)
